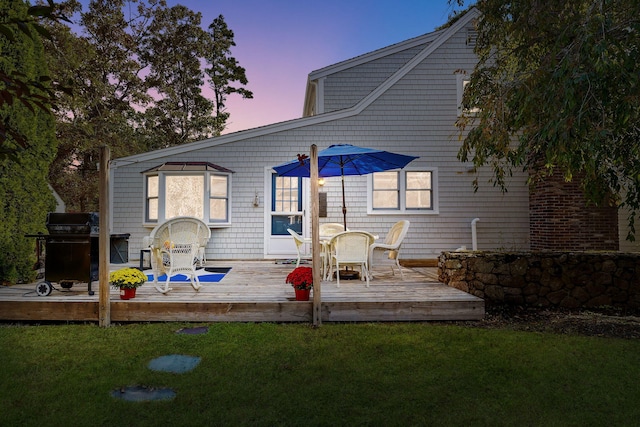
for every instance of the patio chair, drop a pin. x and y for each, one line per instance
(299, 241)
(175, 247)
(202, 256)
(388, 253)
(350, 248)
(330, 229)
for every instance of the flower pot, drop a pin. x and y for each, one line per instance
(127, 293)
(302, 294)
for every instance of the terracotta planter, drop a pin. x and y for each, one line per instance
(127, 293)
(302, 294)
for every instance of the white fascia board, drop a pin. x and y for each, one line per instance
(372, 56)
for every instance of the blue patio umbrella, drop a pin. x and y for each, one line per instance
(345, 159)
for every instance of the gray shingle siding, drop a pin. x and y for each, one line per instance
(416, 115)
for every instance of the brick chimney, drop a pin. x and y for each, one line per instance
(560, 219)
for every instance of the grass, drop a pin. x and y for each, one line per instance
(340, 374)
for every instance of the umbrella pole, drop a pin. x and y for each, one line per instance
(346, 273)
(344, 204)
(315, 239)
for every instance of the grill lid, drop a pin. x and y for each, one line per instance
(73, 223)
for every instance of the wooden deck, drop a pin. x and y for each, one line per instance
(254, 291)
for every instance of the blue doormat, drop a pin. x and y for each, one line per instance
(206, 275)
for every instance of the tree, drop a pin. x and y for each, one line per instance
(105, 72)
(24, 195)
(172, 52)
(34, 92)
(224, 70)
(137, 73)
(557, 87)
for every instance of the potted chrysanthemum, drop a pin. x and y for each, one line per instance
(301, 278)
(127, 280)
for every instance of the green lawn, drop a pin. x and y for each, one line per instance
(339, 374)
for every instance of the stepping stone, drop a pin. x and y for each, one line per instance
(140, 393)
(174, 363)
(193, 331)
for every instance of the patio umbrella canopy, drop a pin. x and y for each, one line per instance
(345, 159)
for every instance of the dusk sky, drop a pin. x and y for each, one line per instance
(279, 42)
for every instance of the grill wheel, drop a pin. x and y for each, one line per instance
(44, 288)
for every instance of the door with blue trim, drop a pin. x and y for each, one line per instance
(285, 209)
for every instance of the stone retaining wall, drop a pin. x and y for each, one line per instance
(558, 279)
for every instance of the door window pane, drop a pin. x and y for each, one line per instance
(287, 194)
(280, 223)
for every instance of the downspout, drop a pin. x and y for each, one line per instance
(474, 234)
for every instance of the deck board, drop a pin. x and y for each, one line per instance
(254, 291)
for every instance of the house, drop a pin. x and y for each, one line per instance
(403, 98)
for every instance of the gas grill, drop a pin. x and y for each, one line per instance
(71, 252)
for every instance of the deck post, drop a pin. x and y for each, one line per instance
(315, 237)
(104, 307)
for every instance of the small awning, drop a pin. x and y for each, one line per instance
(188, 166)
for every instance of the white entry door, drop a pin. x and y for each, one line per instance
(285, 208)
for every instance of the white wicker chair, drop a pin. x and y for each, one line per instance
(202, 256)
(388, 253)
(299, 242)
(175, 247)
(330, 229)
(350, 248)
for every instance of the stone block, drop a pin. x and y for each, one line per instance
(598, 301)
(513, 299)
(553, 282)
(487, 278)
(602, 278)
(531, 289)
(534, 274)
(512, 281)
(463, 286)
(494, 293)
(519, 267)
(595, 290)
(580, 294)
(531, 300)
(556, 297)
(546, 263)
(452, 264)
(609, 266)
(569, 302)
(482, 265)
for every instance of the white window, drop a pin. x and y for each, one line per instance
(196, 189)
(404, 191)
(463, 81)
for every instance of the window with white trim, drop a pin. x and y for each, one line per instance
(403, 191)
(463, 82)
(197, 189)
